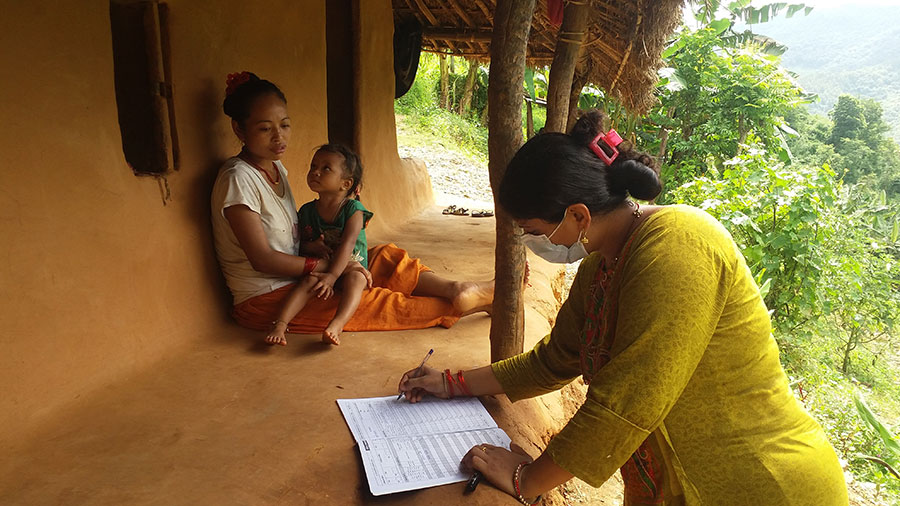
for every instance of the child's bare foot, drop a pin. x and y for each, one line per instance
(473, 296)
(276, 335)
(332, 334)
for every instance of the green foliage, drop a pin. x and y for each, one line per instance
(419, 97)
(830, 399)
(420, 110)
(419, 107)
(892, 447)
(859, 286)
(774, 214)
(859, 136)
(721, 98)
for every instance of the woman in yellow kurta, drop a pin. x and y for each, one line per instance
(666, 325)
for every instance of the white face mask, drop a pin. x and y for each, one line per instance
(555, 253)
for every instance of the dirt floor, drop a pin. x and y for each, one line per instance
(232, 421)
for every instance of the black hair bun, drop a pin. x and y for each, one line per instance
(641, 181)
(241, 89)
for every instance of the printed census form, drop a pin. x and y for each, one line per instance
(408, 446)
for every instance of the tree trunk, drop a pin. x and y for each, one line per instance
(452, 88)
(512, 21)
(445, 83)
(529, 119)
(578, 82)
(465, 103)
(742, 135)
(664, 138)
(562, 70)
(849, 346)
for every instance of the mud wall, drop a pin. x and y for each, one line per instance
(393, 188)
(103, 272)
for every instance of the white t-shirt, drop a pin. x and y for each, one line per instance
(239, 183)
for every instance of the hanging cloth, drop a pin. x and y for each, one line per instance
(555, 10)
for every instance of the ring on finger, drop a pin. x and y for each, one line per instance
(483, 448)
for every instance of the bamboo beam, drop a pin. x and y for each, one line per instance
(426, 12)
(462, 14)
(484, 9)
(456, 34)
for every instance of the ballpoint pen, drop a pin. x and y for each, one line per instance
(427, 356)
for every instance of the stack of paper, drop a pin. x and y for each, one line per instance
(411, 446)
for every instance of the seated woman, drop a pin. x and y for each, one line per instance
(257, 240)
(666, 325)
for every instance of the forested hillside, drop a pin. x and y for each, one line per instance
(854, 49)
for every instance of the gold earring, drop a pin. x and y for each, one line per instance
(584, 239)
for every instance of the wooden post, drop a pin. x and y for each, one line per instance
(578, 82)
(562, 69)
(512, 22)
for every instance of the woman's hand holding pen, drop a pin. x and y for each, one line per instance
(497, 464)
(421, 381)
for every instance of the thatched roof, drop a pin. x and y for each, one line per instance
(621, 47)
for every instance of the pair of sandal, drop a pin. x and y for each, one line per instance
(456, 211)
(462, 211)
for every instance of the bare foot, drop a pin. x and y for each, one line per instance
(276, 336)
(332, 334)
(473, 296)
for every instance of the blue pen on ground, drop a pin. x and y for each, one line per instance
(473, 482)
(427, 356)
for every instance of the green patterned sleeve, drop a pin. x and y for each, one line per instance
(674, 289)
(555, 360)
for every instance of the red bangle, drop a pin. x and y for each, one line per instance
(311, 263)
(450, 382)
(462, 383)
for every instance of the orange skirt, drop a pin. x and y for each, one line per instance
(388, 305)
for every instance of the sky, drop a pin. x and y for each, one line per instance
(824, 4)
(687, 13)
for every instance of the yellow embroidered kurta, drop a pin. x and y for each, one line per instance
(693, 369)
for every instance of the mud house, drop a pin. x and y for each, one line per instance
(108, 268)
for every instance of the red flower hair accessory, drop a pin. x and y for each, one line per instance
(234, 80)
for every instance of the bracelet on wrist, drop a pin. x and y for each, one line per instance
(462, 383)
(310, 264)
(516, 485)
(450, 381)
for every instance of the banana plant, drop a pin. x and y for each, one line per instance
(892, 458)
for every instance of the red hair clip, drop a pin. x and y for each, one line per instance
(232, 81)
(611, 139)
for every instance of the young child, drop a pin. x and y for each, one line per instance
(332, 227)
